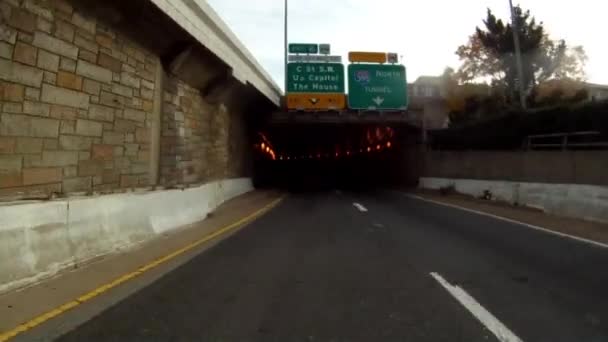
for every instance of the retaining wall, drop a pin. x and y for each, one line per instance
(558, 167)
(105, 96)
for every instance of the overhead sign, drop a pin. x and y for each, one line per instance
(367, 57)
(377, 87)
(314, 58)
(315, 78)
(324, 49)
(304, 48)
(315, 101)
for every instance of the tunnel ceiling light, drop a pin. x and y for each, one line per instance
(369, 149)
(263, 146)
(378, 147)
(388, 144)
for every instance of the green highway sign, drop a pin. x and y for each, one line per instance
(377, 87)
(314, 58)
(315, 78)
(303, 48)
(324, 49)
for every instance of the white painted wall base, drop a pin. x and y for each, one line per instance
(589, 202)
(39, 239)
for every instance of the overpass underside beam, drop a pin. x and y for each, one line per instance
(346, 117)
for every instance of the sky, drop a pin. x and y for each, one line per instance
(426, 33)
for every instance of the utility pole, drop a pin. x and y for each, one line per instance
(520, 71)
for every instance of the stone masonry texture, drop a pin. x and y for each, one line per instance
(54, 131)
(76, 103)
(199, 142)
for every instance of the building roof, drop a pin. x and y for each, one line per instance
(432, 80)
(596, 86)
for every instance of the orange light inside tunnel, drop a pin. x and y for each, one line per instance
(348, 153)
(369, 149)
(263, 146)
(378, 147)
(388, 144)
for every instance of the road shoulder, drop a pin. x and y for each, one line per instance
(21, 306)
(587, 230)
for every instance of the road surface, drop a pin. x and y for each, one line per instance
(370, 267)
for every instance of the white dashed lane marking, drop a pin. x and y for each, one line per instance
(360, 207)
(484, 316)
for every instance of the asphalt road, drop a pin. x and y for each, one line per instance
(318, 268)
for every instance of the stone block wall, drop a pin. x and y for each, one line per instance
(200, 142)
(185, 125)
(238, 160)
(76, 102)
(77, 99)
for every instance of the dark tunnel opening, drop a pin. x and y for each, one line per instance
(355, 157)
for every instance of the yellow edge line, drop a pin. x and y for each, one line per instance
(126, 277)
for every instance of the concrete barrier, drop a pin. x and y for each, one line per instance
(589, 202)
(37, 240)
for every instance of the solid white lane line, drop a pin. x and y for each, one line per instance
(360, 207)
(580, 239)
(484, 316)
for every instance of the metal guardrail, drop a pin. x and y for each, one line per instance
(564, 141)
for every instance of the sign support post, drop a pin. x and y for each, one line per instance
(286, 53)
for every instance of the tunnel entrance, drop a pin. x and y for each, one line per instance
(319, 157)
